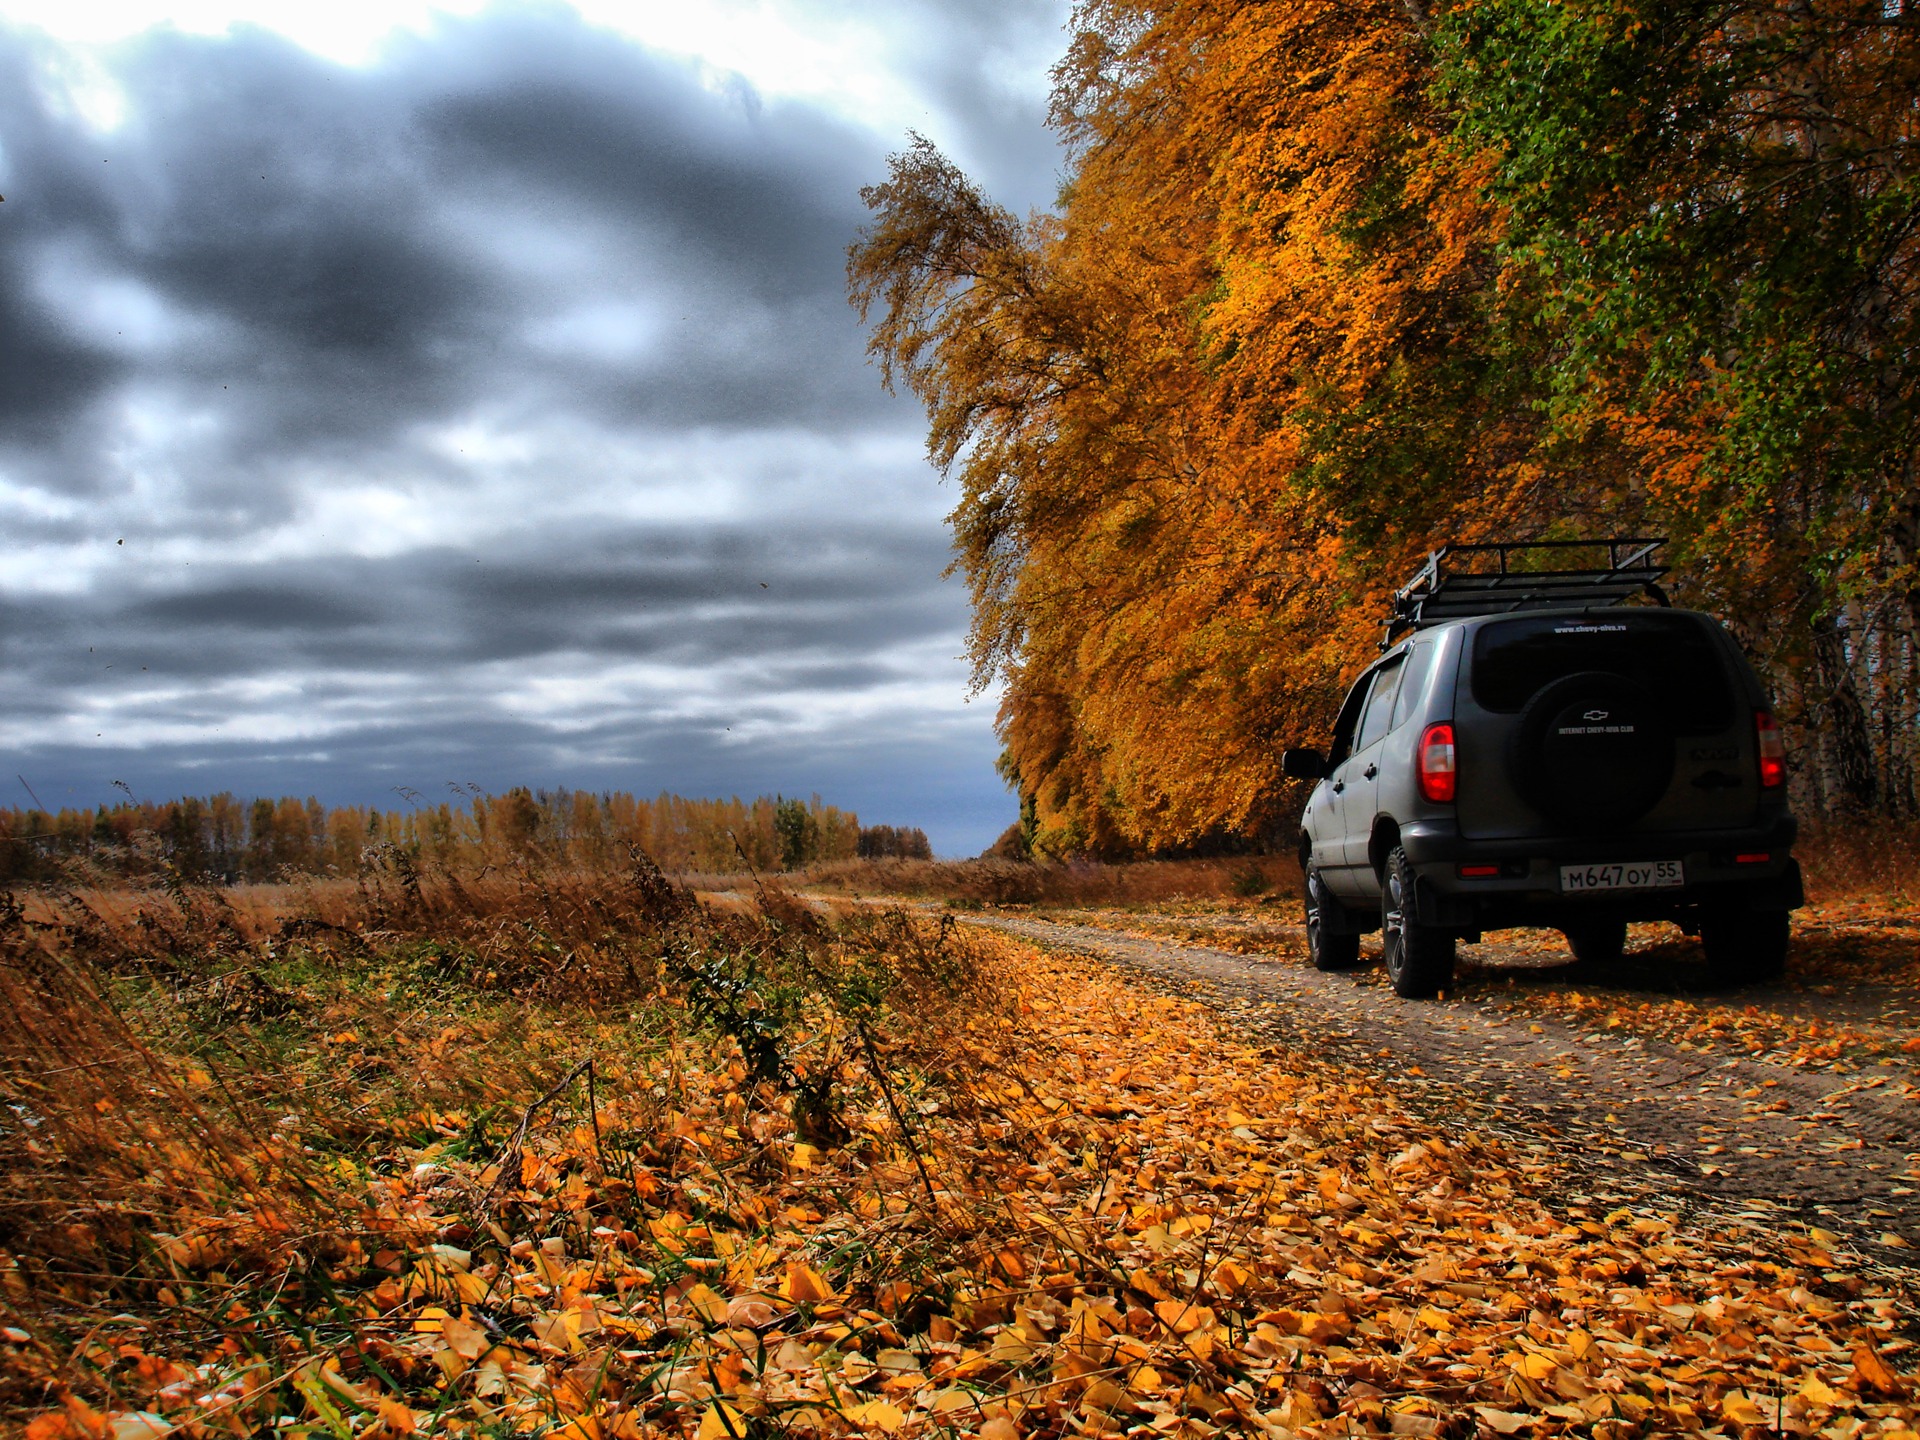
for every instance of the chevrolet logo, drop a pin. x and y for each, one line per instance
(1596, 715)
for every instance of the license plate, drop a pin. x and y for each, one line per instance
(1627, 875)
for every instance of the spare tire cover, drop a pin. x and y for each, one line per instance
(1592, 751)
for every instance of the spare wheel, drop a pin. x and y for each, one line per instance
(1592, 751)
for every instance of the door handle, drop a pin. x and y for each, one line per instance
(1371, 771)
(1338, 786)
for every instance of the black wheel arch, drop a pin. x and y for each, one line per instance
(1382, 843)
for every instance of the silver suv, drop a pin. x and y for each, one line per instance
(1535, 749)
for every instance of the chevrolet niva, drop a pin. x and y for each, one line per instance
(1536, 749)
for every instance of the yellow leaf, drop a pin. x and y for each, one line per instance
(1231, 1277)
(468, 1341)
(721, 1422)
(750, 1312)
(1816, 1390)
(353, 1394)
(558, 1332)
(1504, 1422)
(803, 1157)
(1871, 1370)
(1148, 1284)
(876, 1415)
(1532, 1364)
(804, 1285)
(1740, 1410)
(1010, 1347)
(709, 1304)
(1182, 1318)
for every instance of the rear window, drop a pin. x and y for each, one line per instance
(1669, 655)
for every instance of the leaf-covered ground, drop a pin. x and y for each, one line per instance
(1851, 1000)
(1035, 1198)
(1794, 1099)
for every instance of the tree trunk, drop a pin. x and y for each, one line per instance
(1844, 732)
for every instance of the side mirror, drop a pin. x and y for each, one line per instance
(1303, 764)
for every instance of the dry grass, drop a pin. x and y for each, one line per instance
(201, 1090)
(1868, 861)
(1001, 882)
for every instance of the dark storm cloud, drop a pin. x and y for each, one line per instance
(329, 236)
(45, 373)
(252, 606)
(719, 188)
(970, 55)
(696, 598)
(281, 282)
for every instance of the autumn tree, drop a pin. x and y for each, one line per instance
(1711, 210)
(1328, 286)
(1201, 416)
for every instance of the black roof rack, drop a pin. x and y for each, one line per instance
(1461, 581)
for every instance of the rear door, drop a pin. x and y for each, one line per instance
(1670, 657)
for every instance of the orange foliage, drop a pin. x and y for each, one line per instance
(1280, 340)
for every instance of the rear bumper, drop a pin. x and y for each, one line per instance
(1527, 890)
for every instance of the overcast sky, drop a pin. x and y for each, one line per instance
(406, 397)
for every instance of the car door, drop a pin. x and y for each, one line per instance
(1330, 826)
(1360, 801)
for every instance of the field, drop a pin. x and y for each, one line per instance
(612, 1156)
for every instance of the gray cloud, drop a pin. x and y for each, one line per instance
(493, 409)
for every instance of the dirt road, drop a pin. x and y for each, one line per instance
(1605, 1115)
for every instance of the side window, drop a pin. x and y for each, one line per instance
(1414, 682)
(1348, 722)
(1386, 685)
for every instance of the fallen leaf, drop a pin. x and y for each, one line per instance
(1872, 1371)
(804, 1285)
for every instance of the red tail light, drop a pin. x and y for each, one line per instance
(1773, 752)
(1434, 765)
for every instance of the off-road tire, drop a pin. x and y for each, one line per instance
(1340, 951)
(1596, 943)
(1743, 946)
(1419, 958)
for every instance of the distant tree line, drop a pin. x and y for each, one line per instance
(226, 839)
